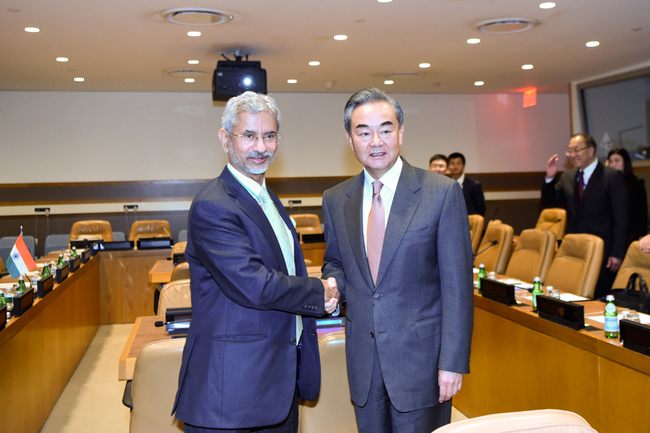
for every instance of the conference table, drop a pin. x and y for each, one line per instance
(520, 361)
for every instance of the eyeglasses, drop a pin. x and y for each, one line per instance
(250, 138)
(572, 150)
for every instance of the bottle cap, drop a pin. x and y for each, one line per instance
(610, 298)
(481, 265)
(536, 280)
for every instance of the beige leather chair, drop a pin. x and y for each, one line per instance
(155, 381)
(636, 261)
(307, 223)
(475, 230)
(495, 258)
(178, 248)
(94, 230)
(149, 229)
(181, 272)
(175, 295)
(333, 410)
(576, 266)
(553, 219)
(533, 421)
(532, 256)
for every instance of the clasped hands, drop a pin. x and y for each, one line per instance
(332, 295)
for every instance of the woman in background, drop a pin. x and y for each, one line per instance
(619, 159)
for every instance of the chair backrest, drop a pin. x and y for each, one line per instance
(155, 381)
(174, 295)
(119, 236)
(8, 242)
(576, 266)
(178, 248)
(636, 261)
(476, 222)
(553, 219)
(333, 410)
(93, 230)
(56, 243)
(495, 258)
(532, 421)
(533, 255)
(181, 272)
(182, 235)
(307, 223)
(149, 229)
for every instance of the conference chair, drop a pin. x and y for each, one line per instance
(532, 256)
(576, 266)
(56, 243)
(155, 381)
(333, 410)
(182, 235)
(532, 421)
(8, 242)
(636, 261)
(119, 237)
(178, 248)
(307, 223)
(149, 229)
(495, 258)
(175, 295)
(475, 230)
(181, 272)
(553, 219)
(94, 230)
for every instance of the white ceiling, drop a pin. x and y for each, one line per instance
(125, 45)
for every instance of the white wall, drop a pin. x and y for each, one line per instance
(112, 136)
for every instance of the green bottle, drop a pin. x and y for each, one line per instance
(21, 285)
(60, 263)
(481, 274)
(611, 318)
(73, 254)
(3, 301)
(537, 290)
(46, 271)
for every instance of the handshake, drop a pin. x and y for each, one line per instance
(332, 295)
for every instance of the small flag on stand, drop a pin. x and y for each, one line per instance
(20, 261)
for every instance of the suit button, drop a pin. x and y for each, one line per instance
(372, 335)
(293, 341)
(376, 296)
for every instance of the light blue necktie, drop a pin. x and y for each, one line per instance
(285, 241)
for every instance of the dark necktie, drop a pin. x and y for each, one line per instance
(581, 186)
(376, 229)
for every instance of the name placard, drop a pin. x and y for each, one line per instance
(564, 313)
(154, 243)
(45, 286)
(62, 273)
(635, 336)
(75, 264)
(498, 291)
(23, 302)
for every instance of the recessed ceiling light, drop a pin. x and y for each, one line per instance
(194, 34)
(384, 1)
(592, 44)
(340, 37)
(473, 41)
(526, 67)
(32, 29)
(292, 81)
(389, 82)
(196, 16)
(479, 83)
(78, 79)
(424, 65)
(189, 80)
(506, 25)
(314, 63)
(62, 59)
(193, 62)
(547, 5)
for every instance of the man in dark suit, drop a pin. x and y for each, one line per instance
(595, 198)
(252, 349)
(472, 190)
(398, 244)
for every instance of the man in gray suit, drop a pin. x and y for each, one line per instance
(398, 244)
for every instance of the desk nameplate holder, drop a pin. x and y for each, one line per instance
(112, 246)
(313, 238)
(154, 243)
(62, 273)
(177, 320)
(564, 313)
(23, 302)
(75, 264)
(3, 317)
(85, 254)
(44, 286)
(498, 291)
(635, 336)
(178, 258)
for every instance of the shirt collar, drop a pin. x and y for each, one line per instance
(589, 170)
(249, 184)
(390, 178)
(461, 179)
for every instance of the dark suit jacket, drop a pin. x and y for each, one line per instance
(474, 197)
(420, 313)
(603, 211)
(239, 363)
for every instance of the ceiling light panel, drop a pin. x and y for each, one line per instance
(196, 16)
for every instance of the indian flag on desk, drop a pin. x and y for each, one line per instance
(20, 261)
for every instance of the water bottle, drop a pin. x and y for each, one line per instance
(481, 274)
(537, 290)
(611, 318)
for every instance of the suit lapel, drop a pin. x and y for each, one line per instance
(594, 180)
(352, 210)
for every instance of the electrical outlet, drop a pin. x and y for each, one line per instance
(130, 207)
(42, 209)
(295, 201)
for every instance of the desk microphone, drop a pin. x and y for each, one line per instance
(558, 220)
(485, 249)
(160, 323)
(165, 230)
